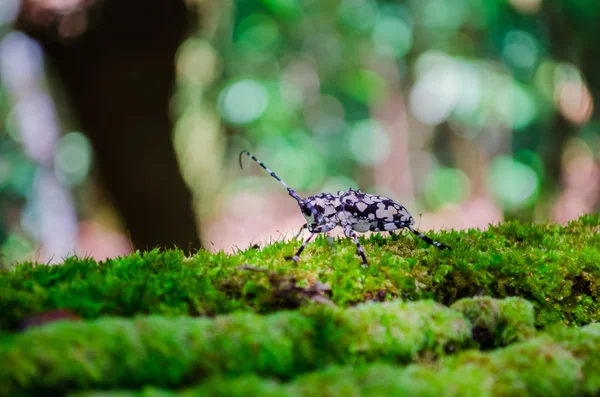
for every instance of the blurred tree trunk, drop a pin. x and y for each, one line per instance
(119, 77)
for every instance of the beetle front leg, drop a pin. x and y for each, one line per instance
(295, 257)
(301, 229)
(315, 230)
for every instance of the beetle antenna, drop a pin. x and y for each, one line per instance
(291, 191)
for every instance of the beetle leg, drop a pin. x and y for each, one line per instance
(396, 225)
(315, 230)
(350, 233)
(428, 240)
(301, 229)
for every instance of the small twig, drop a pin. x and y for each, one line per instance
(245, 266)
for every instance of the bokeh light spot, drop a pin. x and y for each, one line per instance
(520, 49)
(515, 185)
(572, 98)
(574, 148)
(445, 186)
(369, 143)
(73, 158)
(16, 249)
(566, 72)
(197, 62)
(527, 7)
(20, 60)
(9, 9)
(392, 36)
(303, 167)
(575, 102)
(243, 102)
(365, 86)
(443, 14)
(360, 14)
(258, 32)
(515, 105)
(532, 159)
(469, 100)
(436, 93)
(287, 9)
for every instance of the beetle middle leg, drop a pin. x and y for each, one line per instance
(350, 233)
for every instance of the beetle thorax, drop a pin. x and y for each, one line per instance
(326, 205)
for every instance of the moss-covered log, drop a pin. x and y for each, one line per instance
(168, 352)
(562, 363)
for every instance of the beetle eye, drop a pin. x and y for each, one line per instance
(306, 211)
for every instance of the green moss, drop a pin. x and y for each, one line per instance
(146, 392)
(385, 380)
(585, 345)
(393, 331)
(539, 367)
(560, 363)
(556, 268)
(166, 352)
(498, 322)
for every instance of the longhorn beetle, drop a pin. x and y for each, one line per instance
(353, 210)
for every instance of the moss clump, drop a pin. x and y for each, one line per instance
(168, 352)
(149, 283)
(584, 343)
(392, 331)
(561, 363)
(498, 322)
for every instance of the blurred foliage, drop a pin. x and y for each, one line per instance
(39, 166)
(303, 82)
(17, 172)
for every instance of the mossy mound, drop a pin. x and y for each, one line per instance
(563, 363)
(167, 352)
(556, 268)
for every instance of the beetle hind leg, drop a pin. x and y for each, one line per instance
(428, 240)
(396, 225)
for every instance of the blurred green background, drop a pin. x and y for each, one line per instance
(468, 112)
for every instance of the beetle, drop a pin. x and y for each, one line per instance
(353, 210)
